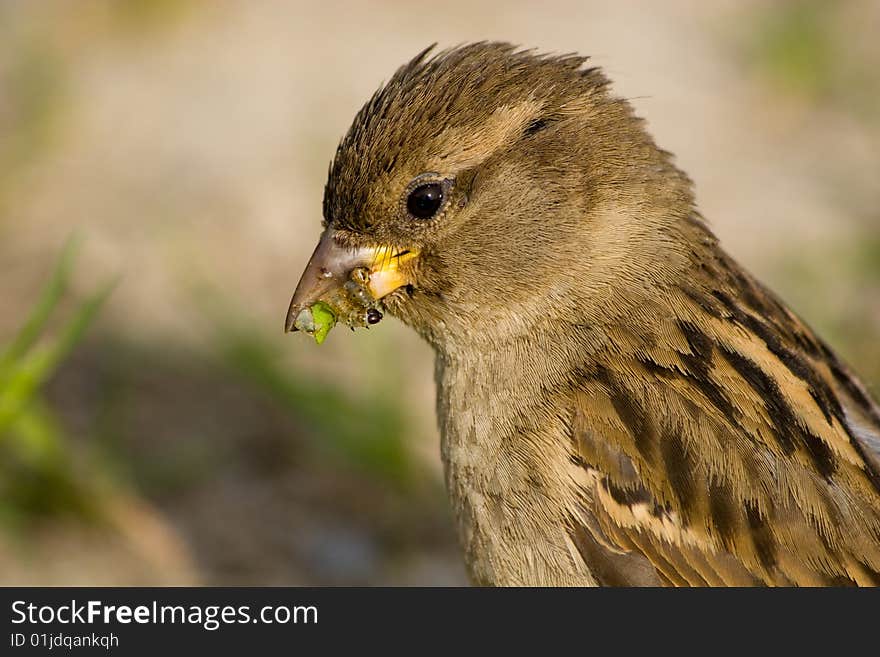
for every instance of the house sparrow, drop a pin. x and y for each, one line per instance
(620, 402)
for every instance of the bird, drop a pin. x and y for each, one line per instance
(620, 403)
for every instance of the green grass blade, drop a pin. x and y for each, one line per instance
(29, 373)
(48, 300)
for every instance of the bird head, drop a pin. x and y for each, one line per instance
(485, 189)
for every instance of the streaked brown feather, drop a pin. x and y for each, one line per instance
(722, 449)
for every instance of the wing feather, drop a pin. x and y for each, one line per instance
(729, 446)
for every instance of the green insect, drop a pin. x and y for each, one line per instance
(353, 305)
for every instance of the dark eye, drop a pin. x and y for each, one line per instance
(424, 201)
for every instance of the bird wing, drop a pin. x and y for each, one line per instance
(725, 444)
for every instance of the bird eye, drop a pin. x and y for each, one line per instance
(424, 201)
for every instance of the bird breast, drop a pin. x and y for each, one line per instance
(509, 477)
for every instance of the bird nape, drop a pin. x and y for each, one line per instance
(619, 402)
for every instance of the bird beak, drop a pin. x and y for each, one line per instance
(331, 266)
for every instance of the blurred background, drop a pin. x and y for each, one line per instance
(161, 172)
